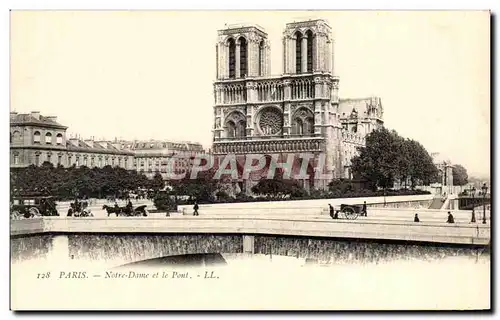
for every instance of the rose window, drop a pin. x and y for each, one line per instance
(271, 121)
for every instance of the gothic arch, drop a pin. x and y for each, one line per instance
(310, 50)
(231, 43)
(303, 122)
(298, 51)
(243, 56)
(262, 46)
(235, 125)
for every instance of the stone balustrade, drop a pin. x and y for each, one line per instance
(438, 233)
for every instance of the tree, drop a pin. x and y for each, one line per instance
(157, 182)
(378, 161)
(388, 157)
(202, 188)
(460, 176)
(422, 169)
(278, 186)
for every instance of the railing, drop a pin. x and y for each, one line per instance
(253, 138)
(266, 89)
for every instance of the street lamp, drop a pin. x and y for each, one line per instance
(485, 190)
(473, 191)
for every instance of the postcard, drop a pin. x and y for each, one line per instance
(250, 160)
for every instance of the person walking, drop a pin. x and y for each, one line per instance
(332, 212)
(450, 218)
(416, 219)
(364, 209)
(196, 207)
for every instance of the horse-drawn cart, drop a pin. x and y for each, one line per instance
(29, 205)
(350, 211)
(127, 211)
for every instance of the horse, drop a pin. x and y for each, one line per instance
(126, 211)
(118, 211)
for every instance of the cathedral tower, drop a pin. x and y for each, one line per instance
(307, 47)
(242, 51)
(278, 116)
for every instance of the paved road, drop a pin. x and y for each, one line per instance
(375, 215)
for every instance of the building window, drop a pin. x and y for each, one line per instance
(243, 57)
(298, 52)
(77, 161)
(59, 138)
(261, 58)
(48, 138)
(85, 161)
(16, 159)
(16, 137)
(232, 59)
(49, 157)
(36, 137)
(37, 159)
(125, 163)
(92, 162)
(119, 162)
(106, 161)
(100, 162)
(59, 159)
(309, 51)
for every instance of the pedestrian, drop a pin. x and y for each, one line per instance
(364, 209)
(196, 207)
(332, 212)
(450, 218)
(416, 219)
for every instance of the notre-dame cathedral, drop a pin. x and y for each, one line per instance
(296, 112)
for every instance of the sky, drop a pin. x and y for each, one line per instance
(149, 74)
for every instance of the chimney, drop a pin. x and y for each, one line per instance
(35, 114)
(52, 118)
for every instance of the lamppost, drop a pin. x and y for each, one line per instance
(473, 191)
(485, 190)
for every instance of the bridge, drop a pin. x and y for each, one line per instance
(303, 230)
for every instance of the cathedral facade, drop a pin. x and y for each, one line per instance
(297, 112)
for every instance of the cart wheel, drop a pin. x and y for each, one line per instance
(350, 214)
(34, 211)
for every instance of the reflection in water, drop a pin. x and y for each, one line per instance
(119, 249)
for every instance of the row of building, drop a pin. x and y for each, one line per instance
(35, 139)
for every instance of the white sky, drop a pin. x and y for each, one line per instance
(149, 74)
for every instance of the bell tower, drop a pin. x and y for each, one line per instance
(242, 51)
(307, 47)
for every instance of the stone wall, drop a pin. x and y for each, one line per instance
(118, 249)
(334, 251)
(404, 204)
(129, 248)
